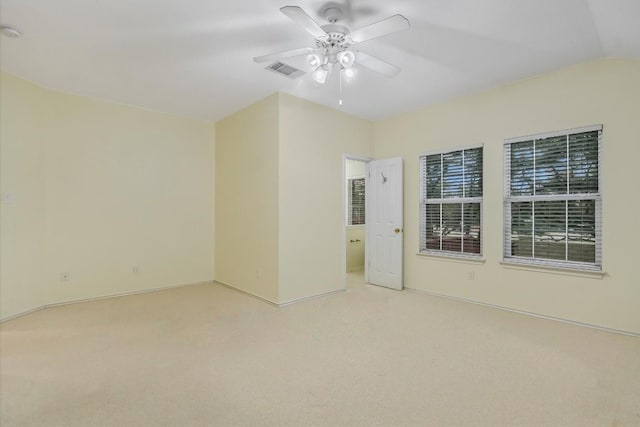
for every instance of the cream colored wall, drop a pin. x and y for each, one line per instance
(121, 187)
(603, 92)
(126, 187)
(313, 140)
(22, 221)
(247, 199)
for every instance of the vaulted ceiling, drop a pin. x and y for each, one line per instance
(194, 58)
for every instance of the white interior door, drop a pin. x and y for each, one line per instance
(384, 222)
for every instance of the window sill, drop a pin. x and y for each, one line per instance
(355, 226)
(552, 269)
(453, 257)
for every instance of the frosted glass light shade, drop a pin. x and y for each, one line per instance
(320, 74)
(347, 58)
(349, 73)
(315, 60)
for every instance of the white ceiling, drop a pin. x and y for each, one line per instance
(194, 58)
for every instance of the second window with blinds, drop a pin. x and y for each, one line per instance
(451, 202)
(552, 199)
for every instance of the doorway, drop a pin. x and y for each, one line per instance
(373, 221)
(355, 218)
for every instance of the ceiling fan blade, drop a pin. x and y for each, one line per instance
(377, 64)
(300, 17)
(288, 54)
(388, 25)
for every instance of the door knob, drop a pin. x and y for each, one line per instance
(397, 230)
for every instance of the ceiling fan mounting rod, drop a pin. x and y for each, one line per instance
(333, 13)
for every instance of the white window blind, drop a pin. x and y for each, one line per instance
(356, 205)
(451, 202)
(552, 199)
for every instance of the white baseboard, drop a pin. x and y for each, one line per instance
(263, 299)
(22, 313)
(122, 294)
(162, 288)
(528, 313)
(281, 304)
(323, 294)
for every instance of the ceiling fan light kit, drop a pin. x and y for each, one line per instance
(346, 58)
(333, 45)
(315, 60)
(349, 73)
(321, 74)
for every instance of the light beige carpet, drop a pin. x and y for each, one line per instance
(207, 355)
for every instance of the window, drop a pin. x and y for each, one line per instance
(552, 199)
(451, 202)
(356, 205)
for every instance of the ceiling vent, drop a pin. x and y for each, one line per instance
(285, 70)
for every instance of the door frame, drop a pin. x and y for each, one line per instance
(345, 157)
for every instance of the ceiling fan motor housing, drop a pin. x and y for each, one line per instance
(336, 41)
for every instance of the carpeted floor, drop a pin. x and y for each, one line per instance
(207, 355)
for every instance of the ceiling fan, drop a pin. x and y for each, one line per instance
(334, 44)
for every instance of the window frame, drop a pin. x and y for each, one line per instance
(423, 202)
(508, 199)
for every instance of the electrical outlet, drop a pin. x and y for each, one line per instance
(135, 269)
(64, 276)
(471, 275)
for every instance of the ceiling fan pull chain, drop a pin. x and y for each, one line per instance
(340, 78)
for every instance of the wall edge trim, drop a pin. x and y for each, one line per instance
(116, 295)
(263, 299)
(282, 304)
(528, 313)
(22, 313)
(303, 299)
